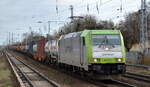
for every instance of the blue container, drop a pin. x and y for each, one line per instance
(30, 47)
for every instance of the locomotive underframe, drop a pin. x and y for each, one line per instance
(108, 68)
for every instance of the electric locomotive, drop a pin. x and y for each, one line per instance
(100, 51)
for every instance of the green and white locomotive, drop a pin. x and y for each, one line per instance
(100, 51)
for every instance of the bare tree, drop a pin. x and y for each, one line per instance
(130, 29)
(33, 36)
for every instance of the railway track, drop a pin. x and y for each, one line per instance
(145, 78)
(121, 84)
(101, 83)
(139, 66)
(27, 76)
(112, 83)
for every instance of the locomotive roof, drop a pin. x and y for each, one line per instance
(86, 32)
(74, 34)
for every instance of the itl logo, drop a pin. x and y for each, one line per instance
(107, 54)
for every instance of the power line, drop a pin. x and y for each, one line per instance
(87, 4)
(97, 8)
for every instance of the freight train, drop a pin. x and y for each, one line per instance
(98, 51)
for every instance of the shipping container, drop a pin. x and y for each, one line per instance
(41, 49)
(34, 54)
(30, 47)
(22, 47)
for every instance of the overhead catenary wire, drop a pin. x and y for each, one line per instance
(87, 5)
(57, 6)
(97, 6)
(83, 6)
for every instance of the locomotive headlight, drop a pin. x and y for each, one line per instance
(119, 60)
(106, 48)
(95, 60)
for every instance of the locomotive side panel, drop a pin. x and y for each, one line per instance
(70, 50)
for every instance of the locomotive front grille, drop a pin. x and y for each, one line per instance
(108, 68)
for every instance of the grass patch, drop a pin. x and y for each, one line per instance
(5, 74)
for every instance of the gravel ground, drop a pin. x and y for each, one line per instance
(134, 82)
(7, 79)
(61, 78)
(138, 70)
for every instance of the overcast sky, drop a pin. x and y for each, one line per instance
(16, 16)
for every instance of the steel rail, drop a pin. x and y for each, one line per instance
(110, 82)
(145, 78)
(15, 72)
(122, 83)
(54, 84)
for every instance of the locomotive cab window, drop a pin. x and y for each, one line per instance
(105, 43)
(106, 39)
